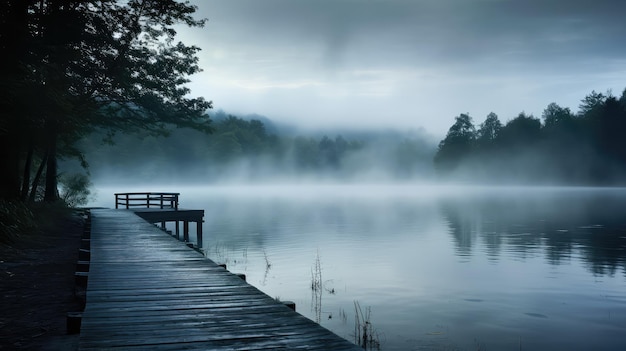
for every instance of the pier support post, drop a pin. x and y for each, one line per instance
(82, 266)
(74, 320)
(84, 255)
(186, 231)
(199, 233)
(290, 304)
(80, 279)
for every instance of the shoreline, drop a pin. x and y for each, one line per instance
(37, 285)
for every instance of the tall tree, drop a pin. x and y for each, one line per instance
(102, 64)
(591, 103)
(522, 131)
(489, 131)
(457, 144)
(13, 45)
(565, 146)
(556, 116)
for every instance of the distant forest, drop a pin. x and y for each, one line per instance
(251, 148)
(583, 148)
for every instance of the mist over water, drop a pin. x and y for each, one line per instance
(451, 242)
(440, 266)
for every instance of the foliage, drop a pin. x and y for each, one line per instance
(75, 189)
(457, 145)
(583, 148)
(26, 222)
(364, 333)
(16, 219)
(113, 65)
(489, 130)
(243, 147)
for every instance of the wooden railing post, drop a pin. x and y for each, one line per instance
(167, 202)
(147, 200)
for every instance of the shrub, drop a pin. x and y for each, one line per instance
(75, 189)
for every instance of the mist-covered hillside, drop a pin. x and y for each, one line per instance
(254, 148)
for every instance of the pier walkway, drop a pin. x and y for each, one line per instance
(148, 291)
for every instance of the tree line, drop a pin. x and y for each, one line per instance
(244, 148)
(583, 148)
(72, 67)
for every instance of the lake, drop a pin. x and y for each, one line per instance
(432, 267)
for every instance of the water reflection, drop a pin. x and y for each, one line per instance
(442, 269)
(558, 224)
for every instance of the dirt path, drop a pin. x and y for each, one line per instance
(37, 287)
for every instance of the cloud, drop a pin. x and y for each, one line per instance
(451, 56)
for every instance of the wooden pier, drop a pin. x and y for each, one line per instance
(148, 291)
(163, 208)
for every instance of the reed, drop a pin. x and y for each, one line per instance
(364, 334)
(316, 274)
(268, 264)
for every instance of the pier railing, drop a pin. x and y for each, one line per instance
(147, 200)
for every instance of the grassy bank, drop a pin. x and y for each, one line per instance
(21, 221)
(38, 253)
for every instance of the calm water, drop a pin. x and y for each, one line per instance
(438, 268)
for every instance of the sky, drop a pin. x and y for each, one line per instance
(372, 64)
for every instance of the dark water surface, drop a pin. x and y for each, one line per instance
(438, 268)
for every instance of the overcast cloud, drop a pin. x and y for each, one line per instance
(406, 64)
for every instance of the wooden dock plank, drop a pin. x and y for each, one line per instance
(148, 291)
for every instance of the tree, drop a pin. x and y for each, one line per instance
(306, 153)
(489, 131)
(13, 44)
(555, 116)
(457, 144)
(97, 64)
(608, 128)
(226, 147)
(522, 131)
(328, 153)
(591, 103)
(565, 145)
(588, 147)
(622, 99)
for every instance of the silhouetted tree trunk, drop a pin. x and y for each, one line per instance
(33, 189)
(9, 175)
(27, 167)
(79, 62)
(51, 193)
(13, 32)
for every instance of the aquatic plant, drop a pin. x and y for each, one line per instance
(316, 274)
(268, 264)
(343, 315)
(316, 289)
(220, 252)
(364, 333)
